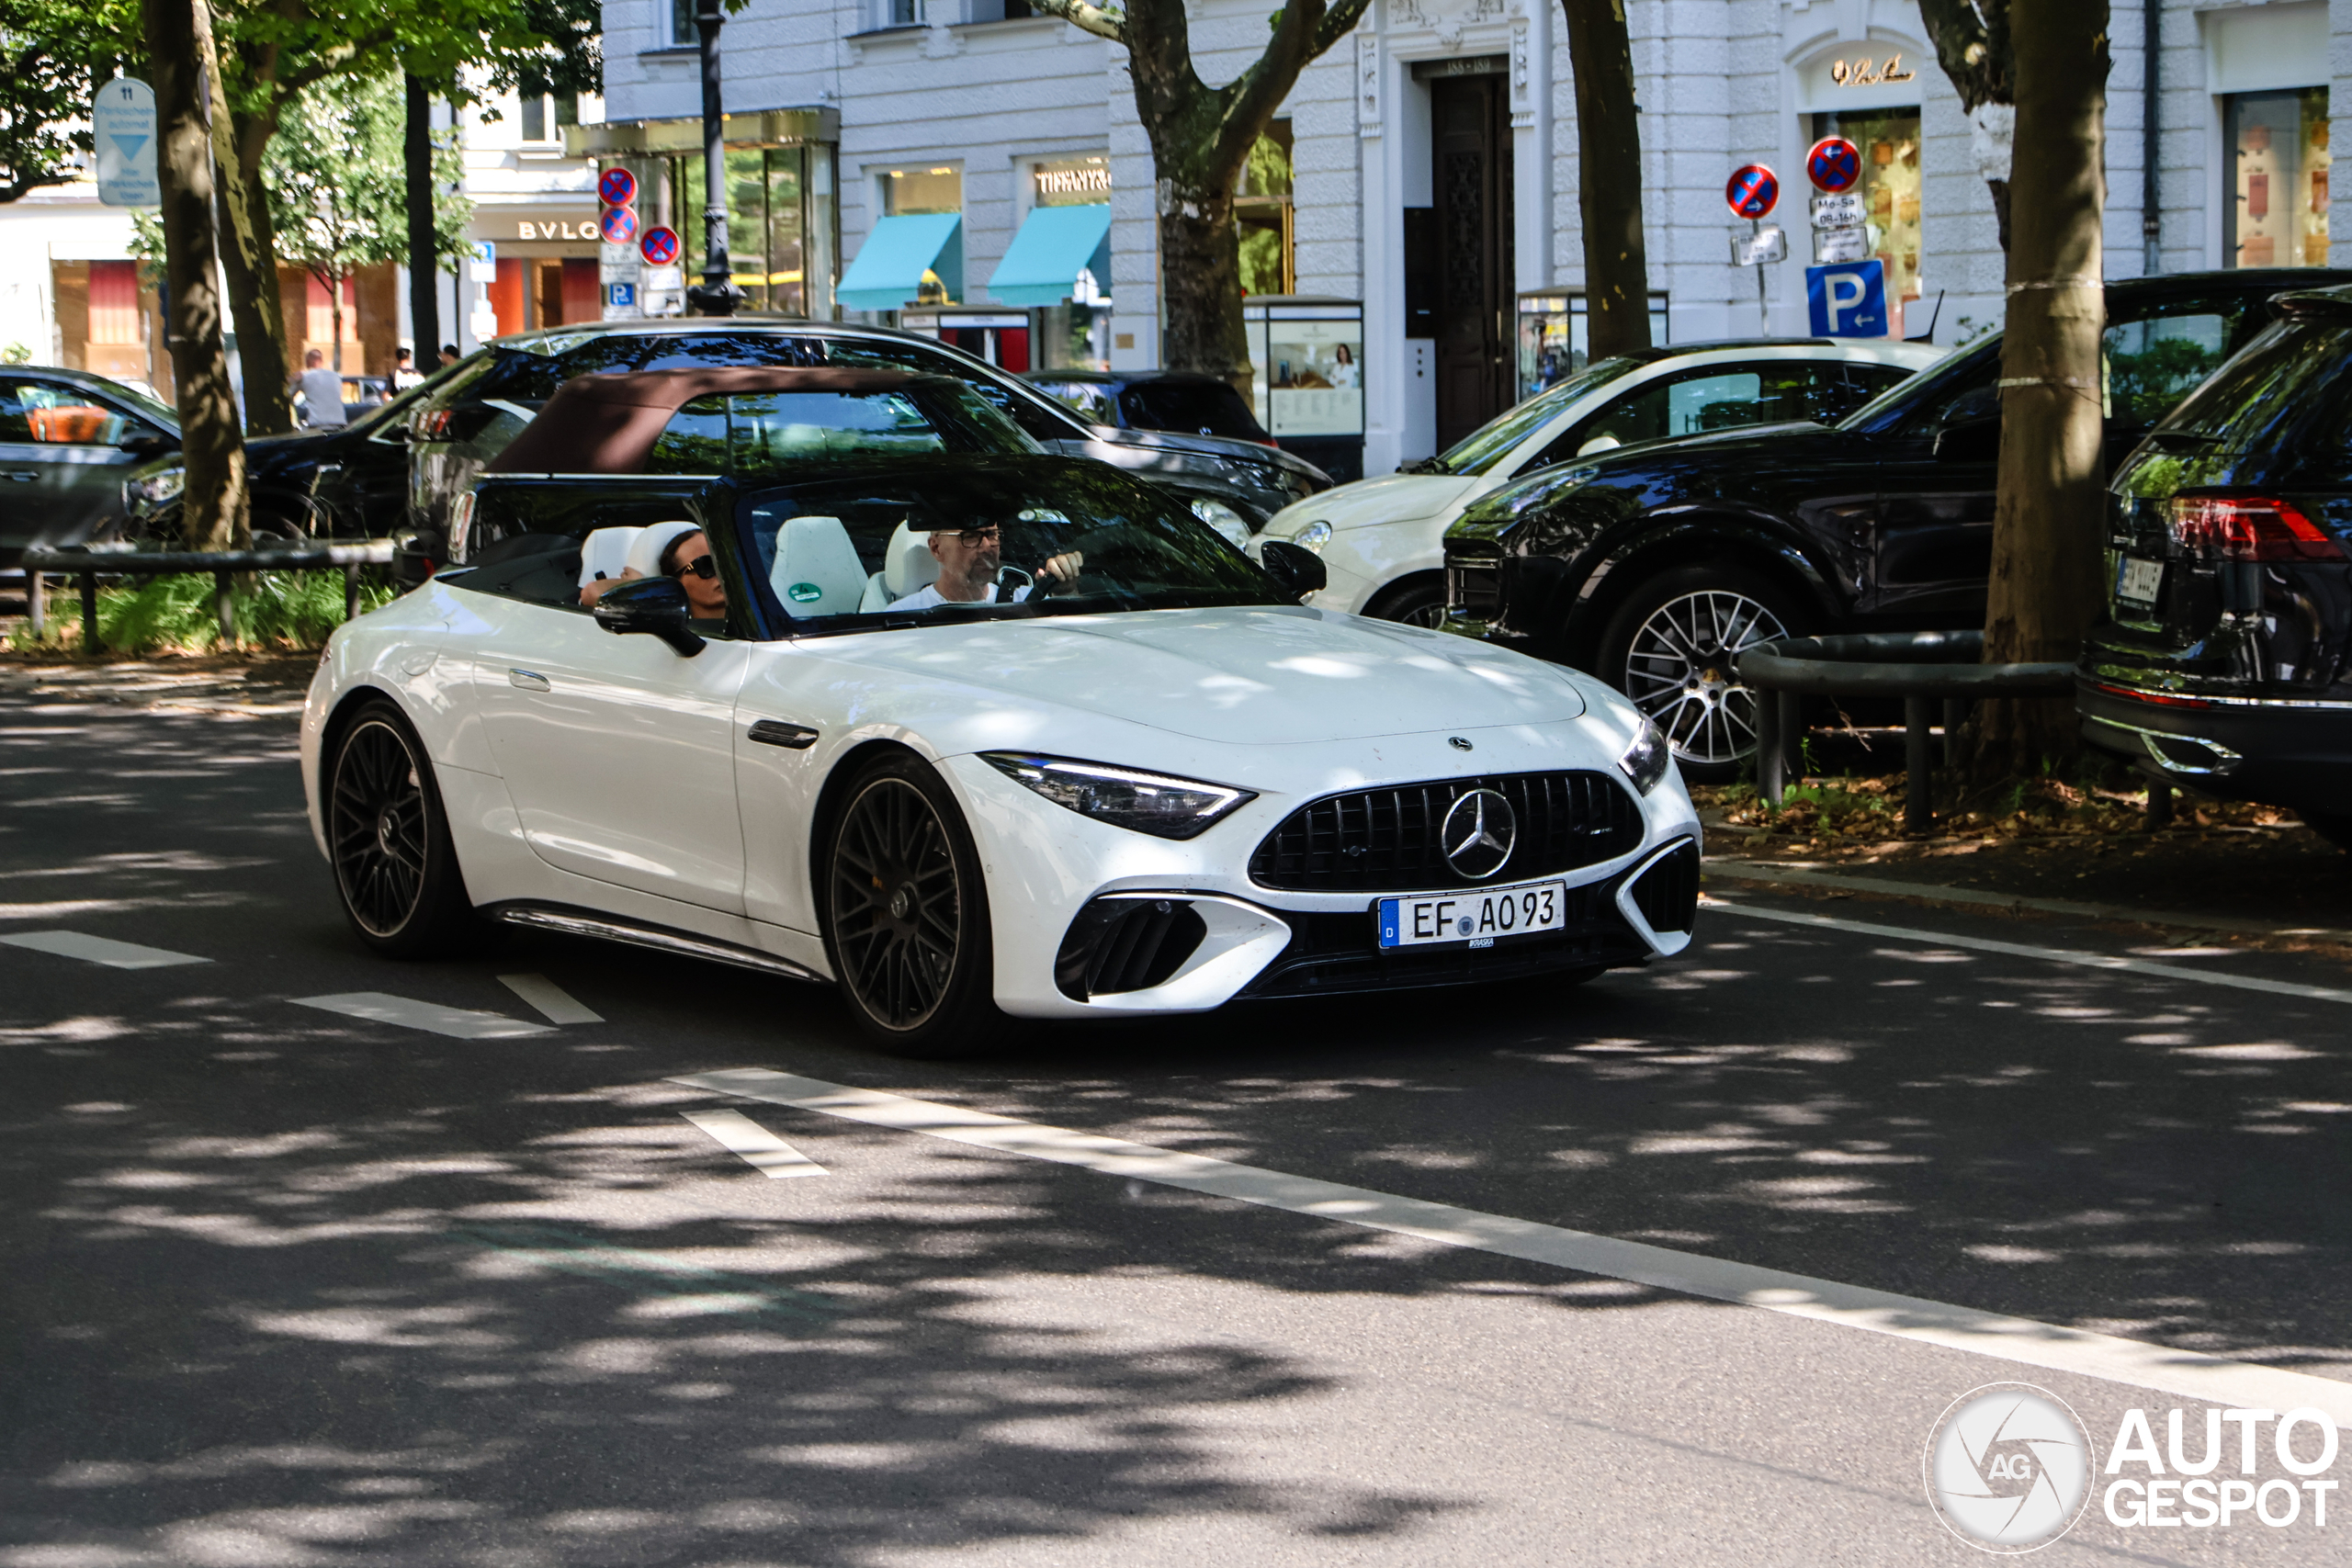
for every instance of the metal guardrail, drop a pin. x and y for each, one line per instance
(88, 565)
(1918, 667)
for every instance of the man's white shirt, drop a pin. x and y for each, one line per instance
(929, 597)
(322, 396)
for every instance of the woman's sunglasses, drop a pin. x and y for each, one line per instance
(701, 566)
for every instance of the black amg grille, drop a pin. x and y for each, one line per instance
(1386, 841)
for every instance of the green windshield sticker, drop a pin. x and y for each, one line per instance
(804, 592)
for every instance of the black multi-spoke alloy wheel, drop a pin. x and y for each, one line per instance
(1417, 603)
(394, 866)
(907, 923)
(1669, 648)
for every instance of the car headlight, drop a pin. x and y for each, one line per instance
(1314, 537)
(156, 489)
(1225, 519)
(1647, 757)
(1146, 803)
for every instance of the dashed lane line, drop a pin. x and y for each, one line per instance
(554, 1003)
(2025, 950)
(2022, 1340)
(760, 1148)
(378, 1006)
(100, 949)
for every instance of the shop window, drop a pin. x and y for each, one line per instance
(768, 218)
(2279, 144)
(910, 192)
(1261, 210)
(1889, 139)
(683, 34)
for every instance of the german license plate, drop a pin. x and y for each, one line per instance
(2138, 581)
(1472, 917)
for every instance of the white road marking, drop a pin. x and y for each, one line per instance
(377, 1006)
(554, 1003)
(101, 950)
(762, 1149)
(2022, 1341)
(2023, 950)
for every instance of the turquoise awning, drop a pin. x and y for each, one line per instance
(1054, 245)
(888, 273)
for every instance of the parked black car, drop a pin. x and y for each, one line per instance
(1182, 400)
(67, 439)
(2225, 660)
(335, 483)
(475, 408)
(1653, 564)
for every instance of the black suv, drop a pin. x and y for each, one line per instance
(2225, 660)
(482, 404)
(1653, 564)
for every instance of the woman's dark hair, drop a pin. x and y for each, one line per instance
(669, 561)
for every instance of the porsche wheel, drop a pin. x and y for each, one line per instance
(1419, 602)
(1669, 648)
(395, 868)
(907, 923)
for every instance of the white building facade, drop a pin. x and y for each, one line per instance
(1432, 169)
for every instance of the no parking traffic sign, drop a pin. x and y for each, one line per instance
(618, 224)
(616, 187)
(1752, 191)
(660, 247)
(1834, 164)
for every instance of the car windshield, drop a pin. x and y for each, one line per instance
(1488, 445)
(761, 434)
(1195, 408)
(2275, 379)
(146, 402)
(951, 537)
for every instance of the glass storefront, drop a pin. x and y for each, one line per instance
(1075, 334)
(779, 223)
(2279, 143)
(1262, 211)
(1552, 341)
(1889, 139)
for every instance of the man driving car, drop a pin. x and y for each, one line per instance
(969, 560)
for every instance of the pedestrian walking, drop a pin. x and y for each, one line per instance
(322, 390)
(449, 355)
(404, 371)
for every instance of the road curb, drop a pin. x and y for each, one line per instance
(1971, 898)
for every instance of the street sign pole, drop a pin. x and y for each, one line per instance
(1763, 305)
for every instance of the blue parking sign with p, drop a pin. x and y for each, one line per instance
(621, 294)
(1847, 299)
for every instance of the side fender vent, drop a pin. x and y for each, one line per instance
(1667, 893)
(1126, 944)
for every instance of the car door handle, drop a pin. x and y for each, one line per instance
(791, 737)
(526, 679)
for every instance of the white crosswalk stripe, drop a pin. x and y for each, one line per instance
(555, 1004)
(378, 1007)
(100, 949)
(760, 1148)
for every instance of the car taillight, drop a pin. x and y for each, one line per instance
(2249, 528)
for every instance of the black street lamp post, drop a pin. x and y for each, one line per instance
(716, 295)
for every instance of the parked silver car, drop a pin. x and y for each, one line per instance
(67, 437)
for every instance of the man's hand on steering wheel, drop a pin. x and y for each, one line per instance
(1058, 572)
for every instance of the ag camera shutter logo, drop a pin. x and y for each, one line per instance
(2008, 1468)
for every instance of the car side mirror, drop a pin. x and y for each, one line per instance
(1971, 441)
(1296, 571)
(148, 445)
(654, 604)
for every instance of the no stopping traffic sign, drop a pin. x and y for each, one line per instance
(1753, 190)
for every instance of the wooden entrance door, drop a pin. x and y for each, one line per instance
(1470, 120)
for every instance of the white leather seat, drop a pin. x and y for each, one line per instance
(645, 550)
(816, 571)
(908, 566)
(605, 553)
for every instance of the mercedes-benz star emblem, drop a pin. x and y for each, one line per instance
(1477, 834)
(1457, 743)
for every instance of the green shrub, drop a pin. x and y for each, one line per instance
(284, 609)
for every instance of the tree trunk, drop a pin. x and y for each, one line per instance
(179, 48)
(333, 281)
(249, 256)
(1609, 146)
(424, 257)
(2048, 521)
(1200, 269)
(1975, 46)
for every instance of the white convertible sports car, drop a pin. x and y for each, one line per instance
(967, 733)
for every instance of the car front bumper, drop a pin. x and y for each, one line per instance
(1091, 921)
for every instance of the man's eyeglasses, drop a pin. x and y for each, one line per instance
(977, 536)
(703, 566)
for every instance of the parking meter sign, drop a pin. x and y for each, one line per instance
(1848, 300)
(616, 187)
(1752, 191)
(618, 225)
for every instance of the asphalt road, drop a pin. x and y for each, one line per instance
(284, 1285)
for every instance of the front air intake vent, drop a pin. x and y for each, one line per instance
(1667, 893)
(1126, 944)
